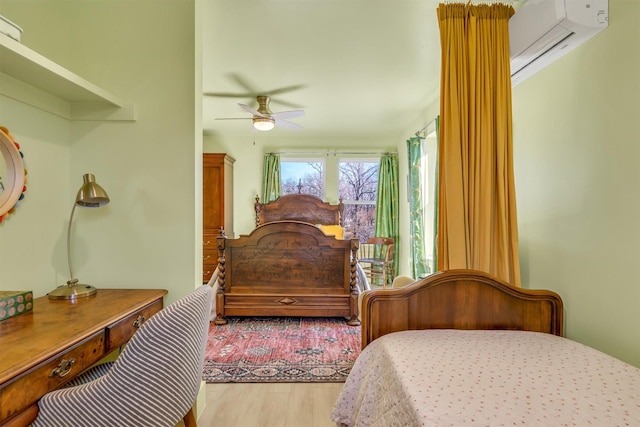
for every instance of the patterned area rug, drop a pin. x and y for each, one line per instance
(281, 350)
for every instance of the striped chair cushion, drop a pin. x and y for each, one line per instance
(153, 383)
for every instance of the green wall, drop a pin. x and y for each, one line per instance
(577, 156)
(144, 52)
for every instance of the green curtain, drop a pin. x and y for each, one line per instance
(387, 202)
(271, 185)
(418, 261)
(435, 202)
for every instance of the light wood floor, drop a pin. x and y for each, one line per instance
(270, 405)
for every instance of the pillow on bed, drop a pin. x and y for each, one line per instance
(335, 230)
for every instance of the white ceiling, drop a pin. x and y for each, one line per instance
(357, 67)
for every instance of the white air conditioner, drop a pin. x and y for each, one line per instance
(542, 31)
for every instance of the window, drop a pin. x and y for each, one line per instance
(304, 176)
(358, 186)
(428, 180)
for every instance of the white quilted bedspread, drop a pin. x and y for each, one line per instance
(487, 378)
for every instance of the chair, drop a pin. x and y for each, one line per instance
(154, 382)
(401, 281)
(376, 257)
(213, 282)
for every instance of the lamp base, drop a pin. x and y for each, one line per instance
(72, 290)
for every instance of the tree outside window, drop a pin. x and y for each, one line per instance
(301, 176)
(358, 186)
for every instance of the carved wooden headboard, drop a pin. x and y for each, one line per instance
(299, 207)
(459, 299)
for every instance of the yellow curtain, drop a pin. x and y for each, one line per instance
(477, 225)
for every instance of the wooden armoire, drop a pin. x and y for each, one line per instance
(217, 206)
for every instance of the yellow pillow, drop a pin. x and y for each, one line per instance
(335, 230)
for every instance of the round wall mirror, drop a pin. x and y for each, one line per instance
(12, 174)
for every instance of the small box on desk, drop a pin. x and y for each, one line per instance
(13, 303)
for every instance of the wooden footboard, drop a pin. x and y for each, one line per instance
(287, 268)
(459, 299)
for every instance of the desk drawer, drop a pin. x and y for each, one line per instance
(121, 331)
(26, 389)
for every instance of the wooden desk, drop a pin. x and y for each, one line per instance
(35, 347)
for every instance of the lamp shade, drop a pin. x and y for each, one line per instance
(91, 195)
(263, 123)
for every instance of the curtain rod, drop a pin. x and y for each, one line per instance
(420, 133)
(327, 153)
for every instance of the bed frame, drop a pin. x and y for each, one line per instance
(459, 299)
(288, 267)
(299, 207)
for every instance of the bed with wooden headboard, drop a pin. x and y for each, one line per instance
(460, 299)
(460, 347)
(291, 264)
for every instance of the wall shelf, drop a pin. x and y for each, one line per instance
(33, 79)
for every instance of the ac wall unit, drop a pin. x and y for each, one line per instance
(542, 31)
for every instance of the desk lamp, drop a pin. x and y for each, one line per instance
(90, 195)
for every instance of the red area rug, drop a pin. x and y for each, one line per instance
(285, 350)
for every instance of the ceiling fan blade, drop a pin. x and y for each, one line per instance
(233, 118)
(253, 91)
(252, 95)
(286, 104)
(285, 89)
(252, 110)
(288, 114)
(250, 90)
(243, 83)
(288, 125)
(227, 95)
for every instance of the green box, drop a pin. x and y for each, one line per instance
(14, 303)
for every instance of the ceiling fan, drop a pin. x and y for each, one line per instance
(264, 119)
(251, 90)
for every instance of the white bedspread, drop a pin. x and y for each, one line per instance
(487, 378)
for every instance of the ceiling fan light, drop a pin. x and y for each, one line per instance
(263, 123)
